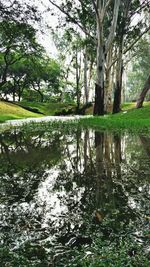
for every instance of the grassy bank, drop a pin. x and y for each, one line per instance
(48, 109)
(9, 111)
(130, 118)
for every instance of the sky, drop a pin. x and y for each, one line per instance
(45, 38)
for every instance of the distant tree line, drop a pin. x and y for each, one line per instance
(24, 64)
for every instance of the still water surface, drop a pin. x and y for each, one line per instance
(60, 190)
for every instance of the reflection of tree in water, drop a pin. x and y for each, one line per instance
(101, 185)
(94, 186)
(25, 160)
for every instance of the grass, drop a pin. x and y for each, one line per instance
(9, 111)
(130, 118)
(47, 109)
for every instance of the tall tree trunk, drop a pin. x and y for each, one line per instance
(99, 86)
(108, 84)
(145, 89)
(118, 84)
(78, 73)
(103, 48)
(85, 78)
(119, 69)
(90, 74)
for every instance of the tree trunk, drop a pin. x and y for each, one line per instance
(41, 95)
(85, 78)
(39, 92)
(103, 48)
(90, 74)
(99, 86)
(78, 73)
(108, 84)
(119, 70)
(141, 98)
(14, 96)
(118, 85)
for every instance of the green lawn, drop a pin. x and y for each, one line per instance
(129, 118)
(47, 109)
(9, 111)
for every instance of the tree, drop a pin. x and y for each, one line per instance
(143, 93)
(128, 35)
(109, 20)
(17, 41)
(43, 76)
(103, 47)
(103, 40)
(17, 11)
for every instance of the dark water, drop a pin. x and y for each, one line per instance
(60, 191)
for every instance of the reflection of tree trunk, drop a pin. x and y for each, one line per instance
(107, 143)
(118, 85)
(145, 141)
(99, 140)
(5, 149)
(90, 150)
(86, 137)
(143, 93)
(108, 167)
(78, 141)
(117, 154)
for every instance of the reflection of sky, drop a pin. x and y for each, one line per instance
(51, 200)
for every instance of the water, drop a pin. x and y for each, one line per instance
(60, 191)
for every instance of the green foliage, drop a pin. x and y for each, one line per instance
(140, 69)
(23, 62)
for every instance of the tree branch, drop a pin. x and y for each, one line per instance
(95, 8)
(113, 25)
(130, 46)
(144, 4)
(139, 37)
(72, 19)
(105, 7)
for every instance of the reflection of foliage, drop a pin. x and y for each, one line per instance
(105, 254)
(63, 190)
